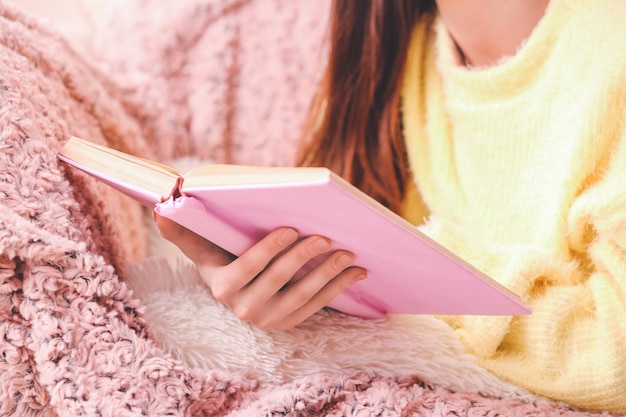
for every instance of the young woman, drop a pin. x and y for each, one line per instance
(500, 127)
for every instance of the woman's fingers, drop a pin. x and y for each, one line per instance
(227, 283)
(283, 308)
(280, 270)
(313, 292)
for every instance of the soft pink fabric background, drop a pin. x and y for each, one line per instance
(224, 80)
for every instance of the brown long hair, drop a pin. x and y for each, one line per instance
(354, 125)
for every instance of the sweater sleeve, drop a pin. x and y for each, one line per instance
(573, 346)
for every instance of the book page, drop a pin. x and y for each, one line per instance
(217, 175)
(119, 168)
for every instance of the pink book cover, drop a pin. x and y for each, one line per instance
(408, 273)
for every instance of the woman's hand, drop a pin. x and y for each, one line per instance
(256, 287)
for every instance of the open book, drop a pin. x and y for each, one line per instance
(235, 206)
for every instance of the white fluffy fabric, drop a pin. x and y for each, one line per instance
(201, 332)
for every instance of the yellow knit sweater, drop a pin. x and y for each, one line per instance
(521, 169)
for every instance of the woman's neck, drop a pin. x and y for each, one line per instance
(485, 31)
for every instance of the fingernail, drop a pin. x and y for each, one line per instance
(319, 245)
(360, 277)
(344, 260)
(287, 237)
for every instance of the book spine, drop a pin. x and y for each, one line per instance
(192, 214)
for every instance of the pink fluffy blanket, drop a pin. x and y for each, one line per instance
(74, 341)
